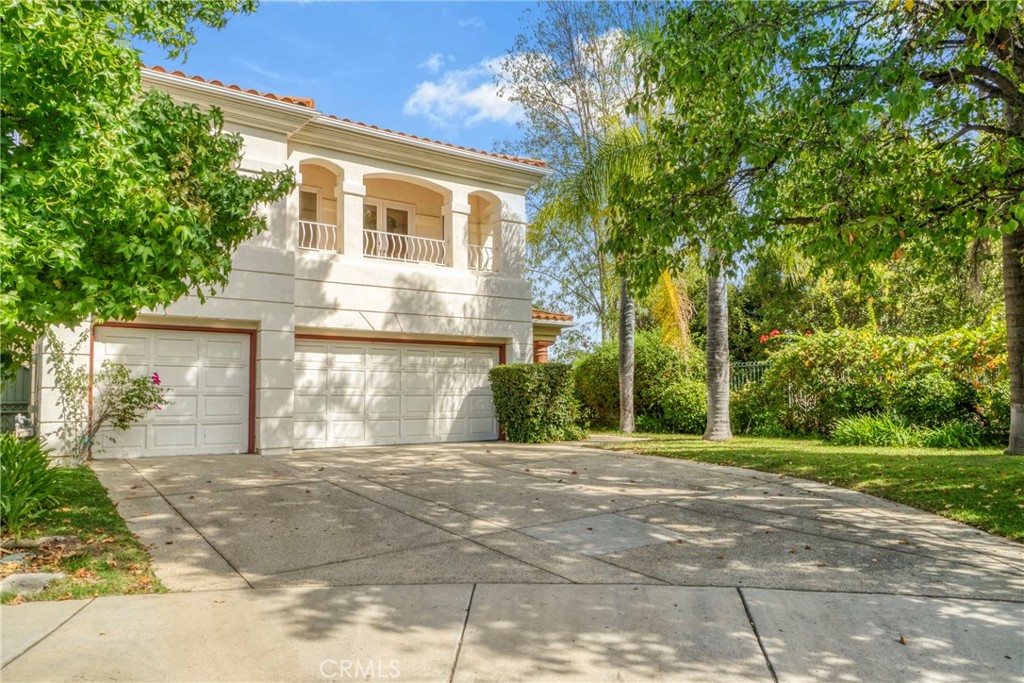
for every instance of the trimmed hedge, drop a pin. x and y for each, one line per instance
(536, 402)
(685, 406)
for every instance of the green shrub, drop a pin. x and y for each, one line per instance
(536, 402)
(992, 405)
(874, 430)
(752, 414)
(30, 486)
(657, 366)
(685, 406)
(931, 398)
(813, 381)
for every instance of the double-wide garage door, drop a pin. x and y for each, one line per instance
(207, 378)
(355, 393)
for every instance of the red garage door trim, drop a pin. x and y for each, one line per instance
(191, 328)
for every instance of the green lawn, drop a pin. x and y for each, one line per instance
(109, 560)
(981, 487)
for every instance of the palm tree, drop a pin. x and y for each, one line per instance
(583, 196)
(719, 426)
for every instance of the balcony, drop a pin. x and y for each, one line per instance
(315, 236)
(481, 258)
(408, 248)
(395, 218)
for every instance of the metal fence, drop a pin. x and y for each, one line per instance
(741, 374)
(15, 399)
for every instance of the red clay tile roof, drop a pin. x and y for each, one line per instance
(300, 101)
(310, 104)
(521, 160)
(541, 316)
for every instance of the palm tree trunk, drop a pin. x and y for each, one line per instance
(627, 325)
(1013, 292)
(719, 427)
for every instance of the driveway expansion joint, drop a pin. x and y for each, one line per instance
(462, 635)
(193, 526)
(757, 634)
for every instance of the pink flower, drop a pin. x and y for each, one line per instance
(774, 333)
(156, 379)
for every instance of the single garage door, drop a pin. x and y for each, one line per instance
(207, 375)
(352, 393)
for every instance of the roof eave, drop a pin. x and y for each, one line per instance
(247, 108)
(530, 169)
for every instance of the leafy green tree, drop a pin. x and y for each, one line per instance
(862, 129)
(114, 199)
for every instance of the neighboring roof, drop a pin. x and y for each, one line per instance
(310, 104)
(550, 316)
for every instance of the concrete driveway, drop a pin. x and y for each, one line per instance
(502, 562)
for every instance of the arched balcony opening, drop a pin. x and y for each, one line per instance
(404, 221)
(320, 207)
(484, 231)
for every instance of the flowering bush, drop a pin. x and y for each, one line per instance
(955, 377)
(120, 400)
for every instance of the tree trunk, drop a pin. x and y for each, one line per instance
(719, 427)
(1013, 298)
(1013, 292)
(627, 324)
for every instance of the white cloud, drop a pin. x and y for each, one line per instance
(472, 22)
(464, 97)
(435, 61)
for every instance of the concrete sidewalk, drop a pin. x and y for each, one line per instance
(492, 632)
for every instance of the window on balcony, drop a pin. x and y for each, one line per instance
(309, 204)
(389, 232)
(315, 232)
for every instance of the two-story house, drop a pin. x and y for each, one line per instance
(369, 312)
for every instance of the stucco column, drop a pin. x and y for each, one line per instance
(351, 192)
(275, 385)
(456, 219)
(291, 215)
(512, 242)
(497, 239)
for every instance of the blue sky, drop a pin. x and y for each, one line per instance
(418, 67)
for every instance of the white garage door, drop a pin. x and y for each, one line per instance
(207, 377)
(351, 393)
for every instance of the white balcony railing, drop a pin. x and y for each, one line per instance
(481, 257)
(386, 245)
(318, 236)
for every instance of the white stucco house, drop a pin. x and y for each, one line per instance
(387, 285)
